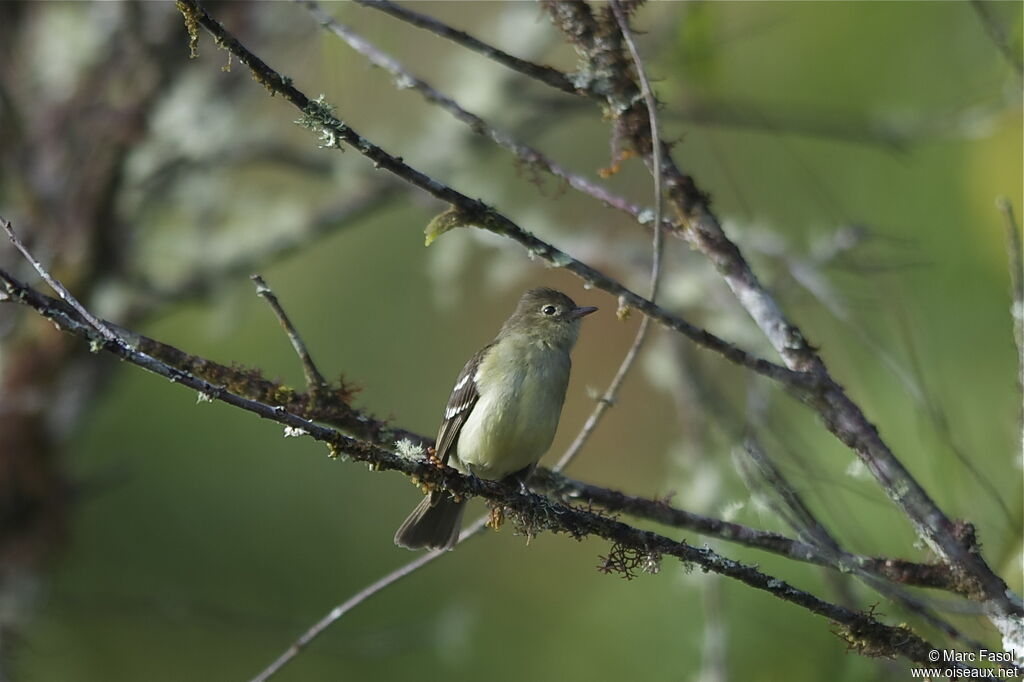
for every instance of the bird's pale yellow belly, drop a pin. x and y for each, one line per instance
(514, 421)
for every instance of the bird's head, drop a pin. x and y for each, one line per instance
(548, 316)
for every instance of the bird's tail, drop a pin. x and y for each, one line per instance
(434, 524)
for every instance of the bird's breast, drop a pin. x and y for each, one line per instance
(514, 421)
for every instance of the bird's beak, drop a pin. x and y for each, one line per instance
(577, 313)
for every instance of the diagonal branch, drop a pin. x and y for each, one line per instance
(315, 381)
(599, 43)
(861, 630)
(806, 374)
(761, 473)
(334, 409)
(533, 511)
(544, 74)
(404, 79)
(474, 211)
(243, 382)
(341, 609)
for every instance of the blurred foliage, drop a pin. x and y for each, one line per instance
(203, 542)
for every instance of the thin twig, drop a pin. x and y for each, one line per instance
(335, 409)
(358, 598)
(544, 74)
(340, 610)
(404, 79)
(937, 416)
(608, 399)
(1016, 265)
(315, 381)
(61, 290)
(760, 472)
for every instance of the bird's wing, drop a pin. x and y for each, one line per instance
(460, 404)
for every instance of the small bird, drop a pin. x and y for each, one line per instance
(503, 411)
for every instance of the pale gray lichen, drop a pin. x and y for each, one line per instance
(645, 216)
(319, 117)
(410, 451)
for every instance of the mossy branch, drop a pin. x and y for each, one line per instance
(537, 512)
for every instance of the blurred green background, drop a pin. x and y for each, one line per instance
(204, 542)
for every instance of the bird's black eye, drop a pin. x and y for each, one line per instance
(549, 310)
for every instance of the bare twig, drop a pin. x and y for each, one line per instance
(608, 399)
(334, 409)
(315, 381)
(341, 609)
(760, 473)
(937, 415)
(358, 598)
(404, 79)
(103, 329)
(544, 74)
